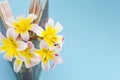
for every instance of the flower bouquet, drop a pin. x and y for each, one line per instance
(30, 43)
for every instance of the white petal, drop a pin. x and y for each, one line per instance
(25, 36)
(20, 17)
(32, 17)
(9, 22)
(53, 65)
(46, 66)
(30, 45)
(8, 56)
(37, 29)
(36, 58)
(30, 64)
(1, 37)
(56, 49)
(59, 27)
(43, 44)
(57, 59)
(11, 33)
(35, 63)
(61, 40)
(50, 22)
(21, 57)
(17, 65)
(22, 45)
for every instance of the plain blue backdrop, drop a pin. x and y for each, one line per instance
(92, 39)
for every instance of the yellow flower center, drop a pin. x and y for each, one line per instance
(45, 54)
(10, 46)
(22, 25)
(26, 53)
(50, 35)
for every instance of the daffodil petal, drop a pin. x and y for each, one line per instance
(25, 36)
(21, 57)
(20, 17)
(22, 45)
(8, 56)
(1, 37)
(36, 58)
(45, 66)
(30, 45)
(43, 44)
(35, 63)
(61, 40)
(11, 33)
(57, 59)
(32, 17)
(29, 64)
(53, 65)
(9, 22)
(56, 49)
(37, 29)
(59, 27)
(17, 65)
(49, 23)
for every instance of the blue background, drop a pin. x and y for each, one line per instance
(92, 39)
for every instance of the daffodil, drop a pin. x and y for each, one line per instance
(47, 55)
(49, 35)
(23, 25)
(10, 45)
(27, 56)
